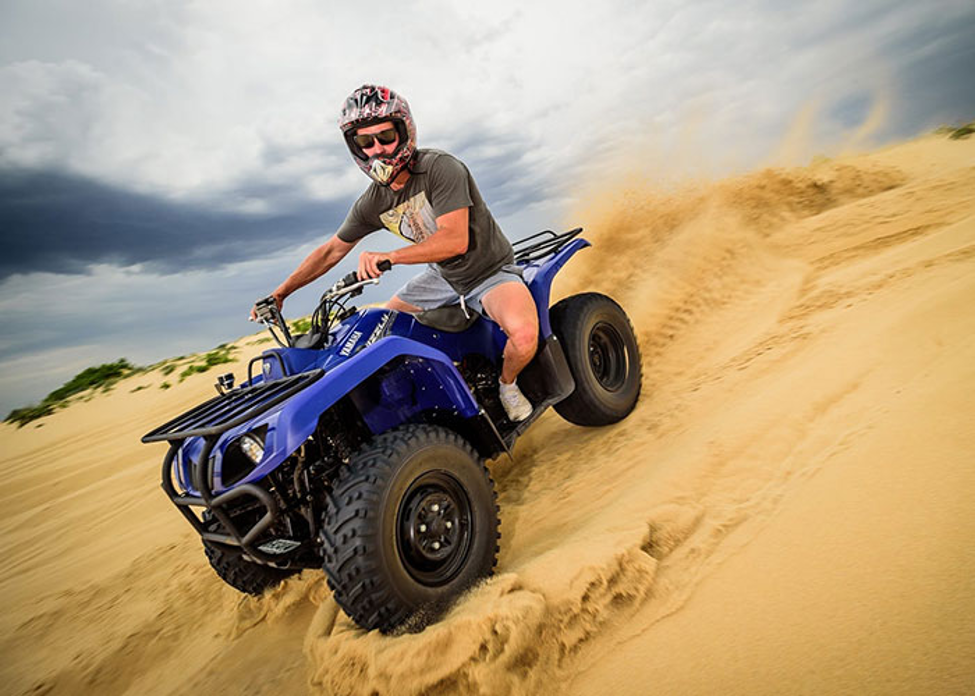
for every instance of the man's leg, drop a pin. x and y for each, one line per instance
(512, 307)
(399, 305)
(424, 291)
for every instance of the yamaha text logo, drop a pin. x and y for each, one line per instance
(350, 343)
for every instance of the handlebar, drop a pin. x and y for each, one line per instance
(267, 312)
(351, 282)
(269, 315)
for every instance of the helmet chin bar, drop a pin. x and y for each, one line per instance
(381, 172)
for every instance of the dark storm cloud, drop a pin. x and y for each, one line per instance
(55, 222)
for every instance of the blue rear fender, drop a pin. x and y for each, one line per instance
(539, 277)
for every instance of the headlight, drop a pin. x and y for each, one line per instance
(253, 448)
(242, 455)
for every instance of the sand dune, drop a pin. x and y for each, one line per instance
(789, 509)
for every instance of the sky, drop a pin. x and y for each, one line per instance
(165, 163)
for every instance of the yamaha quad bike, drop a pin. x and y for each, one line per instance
(359, 447)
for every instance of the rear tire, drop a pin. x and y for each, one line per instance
(602, 352)
(411, 523)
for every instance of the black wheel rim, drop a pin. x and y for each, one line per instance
(608, 356)
(434, 528)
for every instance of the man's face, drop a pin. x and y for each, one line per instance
(375, 135)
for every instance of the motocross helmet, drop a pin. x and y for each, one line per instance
(372, 104)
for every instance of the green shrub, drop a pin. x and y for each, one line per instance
(956, 132)
(25, 415)
(963, 131)
(301, 325)
(100, 376)
(192, 370)
(96, 376)
(221, 354)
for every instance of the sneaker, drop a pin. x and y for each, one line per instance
(517, 407)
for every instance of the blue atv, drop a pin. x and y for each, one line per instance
(359, 447)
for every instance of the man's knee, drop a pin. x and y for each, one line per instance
(524, 337)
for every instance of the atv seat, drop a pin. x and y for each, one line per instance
(450, 318)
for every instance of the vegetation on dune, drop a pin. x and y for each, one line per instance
(221, 354)
(101, 377)
(301, 325)
(957, 132)
(104, 377)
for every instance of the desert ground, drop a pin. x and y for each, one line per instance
(789, 510)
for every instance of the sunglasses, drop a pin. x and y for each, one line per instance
(385, 137)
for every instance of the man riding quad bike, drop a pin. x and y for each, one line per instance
(359, 446)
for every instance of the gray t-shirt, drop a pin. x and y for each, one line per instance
(439, 183)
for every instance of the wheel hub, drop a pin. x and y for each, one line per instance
(434, 528)
(608, 356)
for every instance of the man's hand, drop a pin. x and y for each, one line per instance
(369, 264)
(279, 301)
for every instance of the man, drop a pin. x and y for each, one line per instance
(428, 198)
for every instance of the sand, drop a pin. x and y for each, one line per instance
(789, 509)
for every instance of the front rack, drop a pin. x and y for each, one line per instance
(208, 421)
(542, 244)
(232, 408)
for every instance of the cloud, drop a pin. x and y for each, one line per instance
(62, 223)
(228, 104)
(149, 151)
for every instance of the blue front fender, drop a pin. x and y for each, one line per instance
(433, 379)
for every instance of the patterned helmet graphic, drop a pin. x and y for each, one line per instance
(371, 104)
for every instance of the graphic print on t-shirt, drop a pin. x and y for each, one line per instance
(413, 219)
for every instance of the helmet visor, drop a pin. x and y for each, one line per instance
(384, 138)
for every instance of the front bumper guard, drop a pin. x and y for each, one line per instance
(209, 421)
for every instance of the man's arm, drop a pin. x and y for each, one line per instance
(321, 260)
(449, 240)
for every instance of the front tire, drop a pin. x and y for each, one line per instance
(239, 573)
(602, 352)
(411, 523)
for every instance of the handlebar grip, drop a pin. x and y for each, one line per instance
(353, 276)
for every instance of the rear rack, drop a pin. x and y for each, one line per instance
(546, 242)
(232, 408)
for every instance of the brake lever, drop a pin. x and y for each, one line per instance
(351, 284)
(269, 315)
